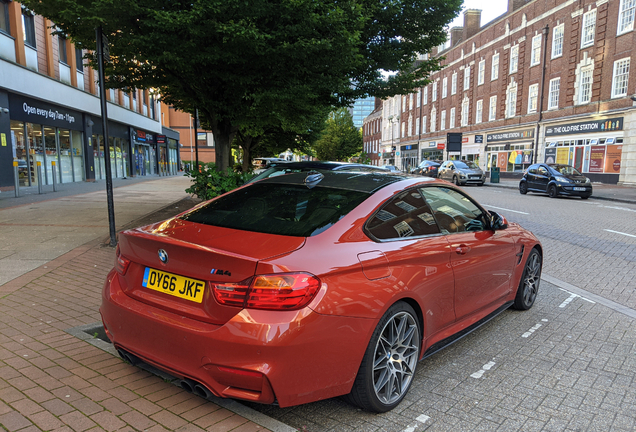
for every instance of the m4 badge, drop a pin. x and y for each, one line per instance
(220, 272)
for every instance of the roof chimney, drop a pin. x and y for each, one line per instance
(472, 23)
(456, 35)
(513, 5)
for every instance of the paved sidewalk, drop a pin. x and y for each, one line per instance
(51, 380)
(608, 192)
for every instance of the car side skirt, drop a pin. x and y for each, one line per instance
(438, 346)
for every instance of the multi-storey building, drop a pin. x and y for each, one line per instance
(50, 112)
(547, 81)
(372, 133)
(361, 108)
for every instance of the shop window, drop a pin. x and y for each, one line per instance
(61, 44)
(28, 28)
(557, 41)
(4, 17)
(589, 28)
(626, 16)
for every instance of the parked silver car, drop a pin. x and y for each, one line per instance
(461, 172)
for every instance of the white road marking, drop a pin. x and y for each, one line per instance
(483, 370)
(533, 329)
(572, 297)
(501, 208)
(621, 233)
(619, 208)
(422, 419)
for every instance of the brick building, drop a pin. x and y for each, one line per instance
(549, 80)
(372, 133)
(50, 112)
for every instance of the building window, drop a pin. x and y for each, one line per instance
(454, 83)
(492, 109)
(78, 60)
(511, 99)
(423, 124)
(479, 111)
(433, 118)
(482, 72)
(514, 59)
(557, 41)
(403, 103)
(589, 25)
(467, 78)
(553, 99)
(494, 68)
(536, 50)
(418, 98)
(585, 85)
(410, 125)
(626, 16)
(4, 17)
(451, 120)
(403, 127)
(425, 96)
(28, 28)
(619, 78)
(465, 106)
(417, 126)
(434, 95)
(411, 101)
(533, 95)
(61, 44)
(444, 87)
(442, 120)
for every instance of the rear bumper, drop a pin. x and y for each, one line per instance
(293, 357)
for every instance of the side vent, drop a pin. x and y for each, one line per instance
(520, 255)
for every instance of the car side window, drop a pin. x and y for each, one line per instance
(453, 211)
(543, 171)
(406, 215)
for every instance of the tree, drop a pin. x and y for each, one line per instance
(341, 139)
(234, 60)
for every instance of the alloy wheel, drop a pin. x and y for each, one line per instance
(531, 278)
(395, 358)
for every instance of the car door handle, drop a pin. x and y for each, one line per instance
(462, 249)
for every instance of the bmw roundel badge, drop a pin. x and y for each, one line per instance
(163, 256)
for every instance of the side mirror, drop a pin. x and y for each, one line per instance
(497, 221)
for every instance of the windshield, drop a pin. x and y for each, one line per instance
(566, 170)
(466, 165)
(292, 210)
(275, 171)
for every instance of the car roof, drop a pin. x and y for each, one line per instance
(321, 165)
(340, 179)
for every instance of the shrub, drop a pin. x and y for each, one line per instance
(208, 183)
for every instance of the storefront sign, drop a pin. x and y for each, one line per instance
(597, 159)
(479, 139)
(509, 136)
(441, 146)
(464, 140)
(550, 155)
(141, 136)
(432, 144)
(613, 156)
(161, 139)
(563, 155)
(591, 126)
(408, 147)
(34, 111)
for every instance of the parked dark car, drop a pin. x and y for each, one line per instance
(281, 168)
(390, 167)
(461, 172)
(427, 168)
(555, 180)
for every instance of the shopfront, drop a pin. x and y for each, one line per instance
(432, 150)
(409, 156)
(144, 152)
(49, 136)
(171, 138)
(118, 147)
(388, 157)
(593, 147)
(510, 151)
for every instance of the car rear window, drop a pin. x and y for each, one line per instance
(291, 210)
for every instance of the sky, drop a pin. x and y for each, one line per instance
(490, 9)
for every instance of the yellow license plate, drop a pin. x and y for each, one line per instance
(175, 285)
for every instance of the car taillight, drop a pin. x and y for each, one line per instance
(121, 262)
(284, 291)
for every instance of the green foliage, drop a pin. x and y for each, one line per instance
(254, 65)
(208, 183)
(340, 139)
(361, 157)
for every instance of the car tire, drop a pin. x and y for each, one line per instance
(456, 180)
(552, 191)
(523, 188)
(388, 366)
(529, 283)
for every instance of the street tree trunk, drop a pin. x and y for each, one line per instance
(223, 135)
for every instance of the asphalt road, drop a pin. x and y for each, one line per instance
(568, 364)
